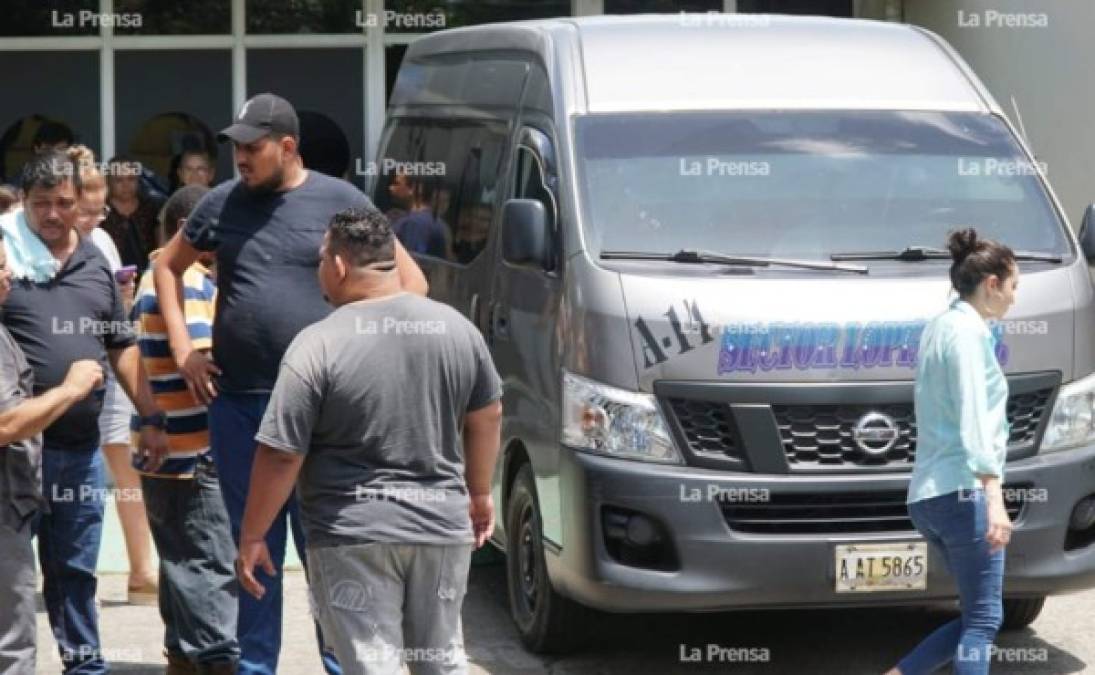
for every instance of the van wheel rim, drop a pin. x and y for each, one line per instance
(528, 569)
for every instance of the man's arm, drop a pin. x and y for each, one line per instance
(482, 437)
(167, 274)
(129, 369)
(409, 271)
(132, 376)
(273, 475)
(33, 415)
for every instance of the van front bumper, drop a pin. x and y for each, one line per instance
(717, 568)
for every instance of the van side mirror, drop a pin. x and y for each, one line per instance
(525, 236)
(1087, 233)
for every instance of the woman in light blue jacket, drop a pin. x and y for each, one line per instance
(955, 497)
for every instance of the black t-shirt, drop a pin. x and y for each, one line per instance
(77, 315)
(267, 247)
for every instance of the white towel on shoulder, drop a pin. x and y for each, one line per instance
(28, 256)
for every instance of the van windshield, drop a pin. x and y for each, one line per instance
(806, 185)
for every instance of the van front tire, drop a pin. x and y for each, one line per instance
(546, 621)
(1021, 612)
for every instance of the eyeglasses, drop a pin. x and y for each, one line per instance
(98, 215)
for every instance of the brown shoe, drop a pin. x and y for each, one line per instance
(217, 668)
(177, 664)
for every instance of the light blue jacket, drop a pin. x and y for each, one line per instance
(961, 402)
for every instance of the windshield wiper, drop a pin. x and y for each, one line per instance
(910, 254)
(918, 253)
(701, 256)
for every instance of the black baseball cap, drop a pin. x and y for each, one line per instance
(261, 115)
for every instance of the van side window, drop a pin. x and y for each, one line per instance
(437, 185)
(530, 182)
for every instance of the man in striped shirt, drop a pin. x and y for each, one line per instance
(183, 498)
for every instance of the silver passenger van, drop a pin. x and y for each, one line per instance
(702, 250)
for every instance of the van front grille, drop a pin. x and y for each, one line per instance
(708, 427)
(819, 437)
(835, 512)
(1025, 413)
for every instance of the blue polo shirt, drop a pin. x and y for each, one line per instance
(77, 315)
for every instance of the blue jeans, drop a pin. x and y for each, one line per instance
(233, 422)
(74, 484)
(198, 602)
(956, 524)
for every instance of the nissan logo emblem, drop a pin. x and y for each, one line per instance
(875, 433)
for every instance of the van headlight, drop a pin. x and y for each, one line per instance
(1072, 422)
(614, 422)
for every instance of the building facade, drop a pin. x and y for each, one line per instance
(146, 78)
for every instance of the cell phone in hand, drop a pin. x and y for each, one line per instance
(125, 274)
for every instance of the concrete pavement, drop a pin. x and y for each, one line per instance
(816, 642)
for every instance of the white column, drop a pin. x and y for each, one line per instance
(239, 56)
(587, 7)
(373, 72)
(107, 140)
(730, 6)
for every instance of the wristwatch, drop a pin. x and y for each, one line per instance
(157, 419)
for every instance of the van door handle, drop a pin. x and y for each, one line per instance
(499, 322)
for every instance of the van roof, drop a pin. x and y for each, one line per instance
(739, 61)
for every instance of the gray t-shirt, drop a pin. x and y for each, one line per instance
(20, 461)
(375, 395)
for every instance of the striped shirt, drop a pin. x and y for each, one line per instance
(187, 424)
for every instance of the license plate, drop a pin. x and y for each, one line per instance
(863, 568)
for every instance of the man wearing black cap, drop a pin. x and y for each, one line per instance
(266, 228)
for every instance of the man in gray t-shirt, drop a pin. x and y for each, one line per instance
(386, 415)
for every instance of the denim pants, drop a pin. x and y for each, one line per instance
(233, 422)
(956, 524)
(382, 605)
(198, 591)
(74, 484)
